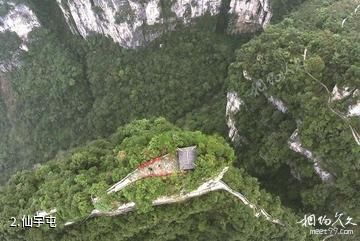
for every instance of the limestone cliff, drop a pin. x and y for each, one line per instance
(17, 21)
(132, 23)
(248, 15)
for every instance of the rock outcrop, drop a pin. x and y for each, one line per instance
(232, 108)
(295, 145)
(249, 15)
(21, 20)
(132, 23)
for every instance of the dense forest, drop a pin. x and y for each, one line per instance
(87, 94)
(69, 106)
(332, 58)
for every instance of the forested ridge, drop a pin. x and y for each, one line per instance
(76, 104)
(332, 58)
(70, 182)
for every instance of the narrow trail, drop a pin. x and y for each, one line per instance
(354, 132)
(214, 184)
(345, 19)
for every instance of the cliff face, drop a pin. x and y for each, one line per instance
(249, 16)
(16, 22)
(132, 23)
(19, 19)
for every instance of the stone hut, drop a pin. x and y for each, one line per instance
(187, 157)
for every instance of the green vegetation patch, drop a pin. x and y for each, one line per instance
(125, 14)
(4, 8)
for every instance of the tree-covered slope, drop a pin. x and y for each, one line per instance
(70, 182)
(71, 92)
(299, 62)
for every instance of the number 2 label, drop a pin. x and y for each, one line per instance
(13, 224)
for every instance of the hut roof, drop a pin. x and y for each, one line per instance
(187, 157)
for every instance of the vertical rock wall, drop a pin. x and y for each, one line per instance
(132, 23)
(249, 15)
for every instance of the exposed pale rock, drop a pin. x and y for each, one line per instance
(232, 108)
(249, 16)
(44, 213)
(279, 104)
(295, 145)
(152, 13)
(188, 9)
(354, 110)
(101, 18)
(339, 94)
(21, 20)
(68, 17)
(131, 23)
